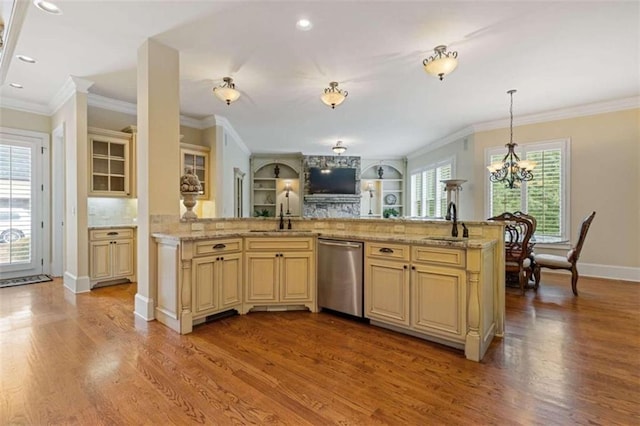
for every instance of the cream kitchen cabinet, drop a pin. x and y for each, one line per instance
(386, 277)
(109, 163)
(439, 292)
(279, 272)
(111, 255)
(420, 288)
(216, 277)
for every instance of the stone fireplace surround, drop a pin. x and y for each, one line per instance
(328, 205)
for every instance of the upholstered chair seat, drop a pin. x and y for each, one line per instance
(551, 260)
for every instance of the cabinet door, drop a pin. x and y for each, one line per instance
(230, 283)
(123, 258)
(387, 291)
(197, 158)
(439, 301)
(100, 259)
(204, 277)
(261, 277)
(109, 165)
(297, 274)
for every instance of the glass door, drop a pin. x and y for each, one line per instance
(21, 189)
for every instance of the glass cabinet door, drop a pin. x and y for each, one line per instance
(197, 158)
(109, 165)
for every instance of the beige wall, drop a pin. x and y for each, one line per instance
(605, 177)
(25, 120)
(110, 120)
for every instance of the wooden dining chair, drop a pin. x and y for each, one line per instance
(518, 232)
(568, 262)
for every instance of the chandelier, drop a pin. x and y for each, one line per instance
(227, 92)
(441, 63)
(333, 96)
(511, 170)
(339, 148)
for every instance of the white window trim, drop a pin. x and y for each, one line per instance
(447, 160)
(565, 229)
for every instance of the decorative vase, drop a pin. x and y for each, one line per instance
(189, 201)
(276, 171)
(189, 189)
(380, 172)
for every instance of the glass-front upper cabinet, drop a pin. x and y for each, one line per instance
(109, 172)
(197, 158)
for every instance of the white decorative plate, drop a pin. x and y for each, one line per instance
(390, 199)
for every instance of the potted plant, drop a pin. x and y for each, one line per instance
(387, 213)
(261, 213)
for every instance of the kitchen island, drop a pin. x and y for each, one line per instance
(418, 280)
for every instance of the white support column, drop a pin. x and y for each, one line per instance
(158, 164)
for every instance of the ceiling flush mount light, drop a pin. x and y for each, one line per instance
(304, 25)
(339, 148)
(227, 91)
(48, 7)
(27, 59)
(333, 96)
(511, 170)
(441, 63)
(16, 85)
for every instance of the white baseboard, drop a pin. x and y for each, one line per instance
(76, 284)
(624, 273)
(144, 307)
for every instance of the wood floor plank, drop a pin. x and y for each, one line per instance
(86, 359)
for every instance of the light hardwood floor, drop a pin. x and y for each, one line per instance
(85, 359)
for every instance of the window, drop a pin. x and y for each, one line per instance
(427, 196)
(545, 197)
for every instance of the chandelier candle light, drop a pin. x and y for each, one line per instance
(512, 170)
(441, 63)
(227, 92)
(333, 96)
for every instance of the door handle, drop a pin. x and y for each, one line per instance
(386, 250)
(219, 246)
(112, 233)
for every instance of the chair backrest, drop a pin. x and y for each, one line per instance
(586, 223)
(531, 218)
(518, 232)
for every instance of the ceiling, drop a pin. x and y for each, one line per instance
(557, 54)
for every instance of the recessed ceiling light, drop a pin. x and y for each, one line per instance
(27, 59)
(48, 7)
(16, 85)
(304, 25)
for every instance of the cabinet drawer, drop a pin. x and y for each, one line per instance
(202, 248)
(439, 255)
(111, 234)
(279, 244)
(387, 251)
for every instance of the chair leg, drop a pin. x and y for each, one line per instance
(574, 280)
(536, 276)
(522, 277)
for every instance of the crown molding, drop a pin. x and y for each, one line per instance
(222, 121)
(563, 113)
(70, 87)
(442, 142)
(24, 106)
(110, 104)
(557, 114)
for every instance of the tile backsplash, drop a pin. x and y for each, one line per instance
(112, 211)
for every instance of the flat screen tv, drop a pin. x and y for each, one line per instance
(341, 180)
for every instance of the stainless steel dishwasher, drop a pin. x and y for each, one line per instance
(340, 285)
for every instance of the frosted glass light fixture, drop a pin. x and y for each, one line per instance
(333, 96)
(441, 63)
(227, 92)
(339, 148)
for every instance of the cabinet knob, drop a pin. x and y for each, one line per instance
(413, 267)
(222, 258)
(404, 266)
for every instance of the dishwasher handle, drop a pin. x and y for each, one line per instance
(339, 244)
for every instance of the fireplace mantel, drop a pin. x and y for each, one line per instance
(332, 199)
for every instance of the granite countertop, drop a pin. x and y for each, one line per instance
(441, 241)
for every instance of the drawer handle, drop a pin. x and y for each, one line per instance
(112, 233)
(386, 250)
(219, 246)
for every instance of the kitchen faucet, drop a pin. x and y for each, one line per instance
(454, 228)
